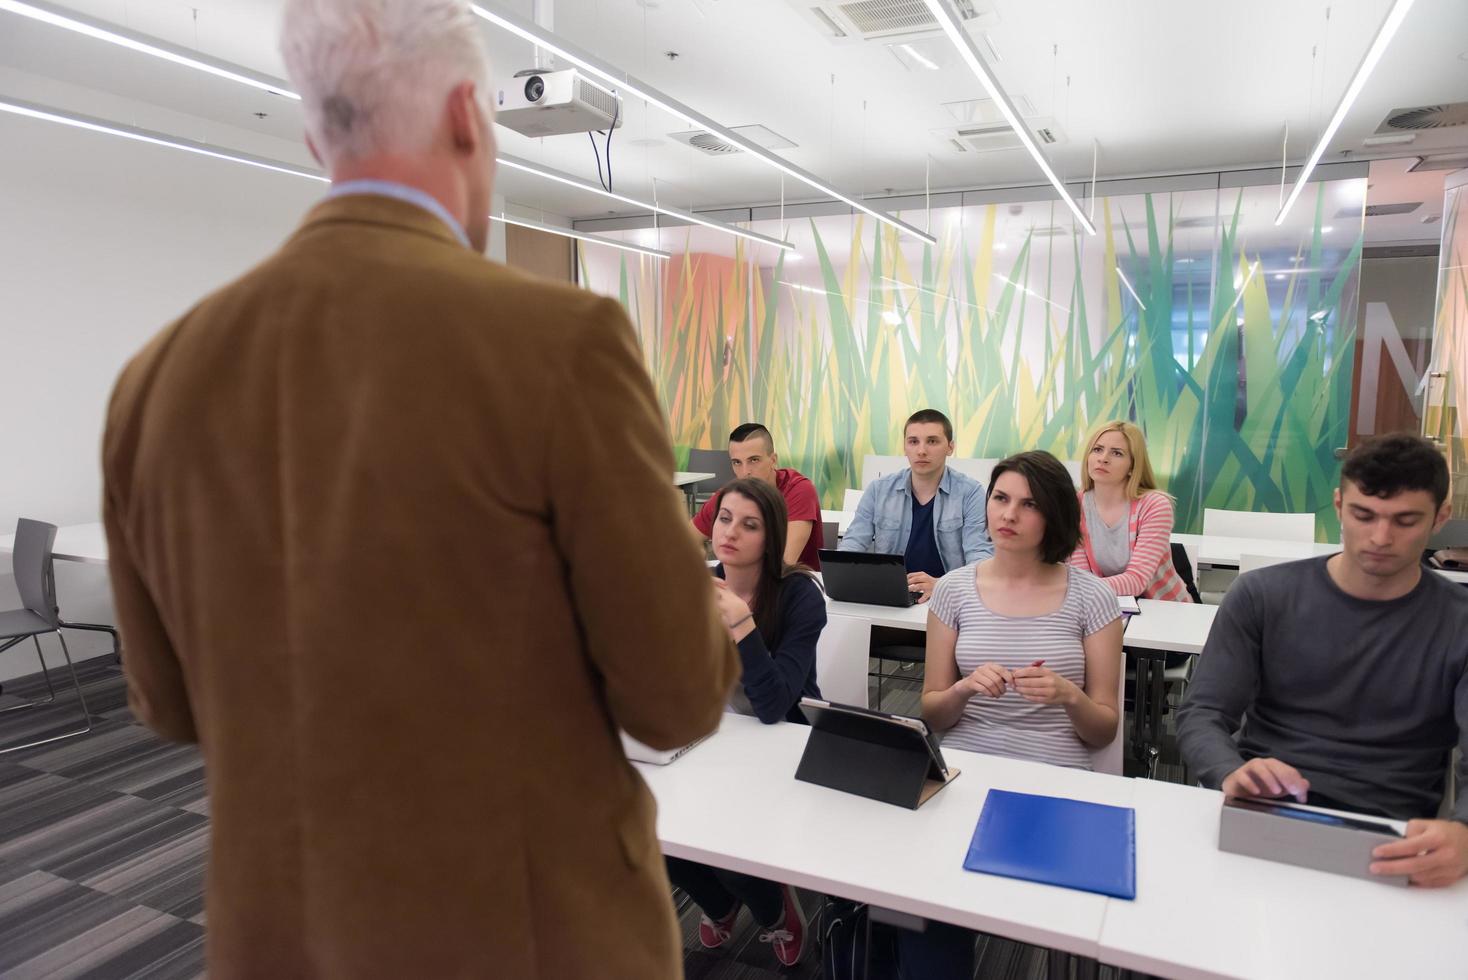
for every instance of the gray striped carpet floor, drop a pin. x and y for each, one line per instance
(103, 839)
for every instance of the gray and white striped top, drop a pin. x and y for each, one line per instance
(1010, 725)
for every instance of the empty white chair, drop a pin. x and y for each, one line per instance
(841, 660)
(1249, 524)
(979, 469)
(850, 500)
(1073, 466)
(875, 467)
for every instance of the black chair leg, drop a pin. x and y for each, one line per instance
(98, 628)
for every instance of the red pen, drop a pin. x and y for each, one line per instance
(1038, 663)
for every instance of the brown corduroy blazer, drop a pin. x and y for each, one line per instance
(393, 537)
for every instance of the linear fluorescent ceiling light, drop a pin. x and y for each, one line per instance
(912, 53)
(1128, 285)
(498, 16)
(530, 168)
(32, 111)
(811, 289)
(1394, 19)
(581, 236)
(933, 292)
(947, 18)
(1030, 292)
(102, 31)
(55, 16)
(157, 139)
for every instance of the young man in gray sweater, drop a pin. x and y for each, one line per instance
(1349, 674)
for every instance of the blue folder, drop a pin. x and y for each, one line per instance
(1056, 841)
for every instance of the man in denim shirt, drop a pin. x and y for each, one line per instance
(931, 515)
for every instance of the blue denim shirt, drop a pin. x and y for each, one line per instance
(883, 520)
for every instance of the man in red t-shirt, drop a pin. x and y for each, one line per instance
(752, 453)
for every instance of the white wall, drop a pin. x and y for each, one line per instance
(102, 243)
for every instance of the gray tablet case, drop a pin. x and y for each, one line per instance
(1307, 844)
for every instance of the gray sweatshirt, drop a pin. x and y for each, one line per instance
(1366, 699)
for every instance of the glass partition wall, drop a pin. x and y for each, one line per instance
(1227, 339)
(1447, 378)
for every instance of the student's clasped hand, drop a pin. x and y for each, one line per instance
(1433, 854)
(1044, 686)
(990, 679)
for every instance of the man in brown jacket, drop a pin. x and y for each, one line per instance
(393, 537)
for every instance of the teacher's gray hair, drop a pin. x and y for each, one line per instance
(373, 74)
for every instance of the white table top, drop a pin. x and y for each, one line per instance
(1224, 551)
(1179, 627)
(85, 543)
(1213, 549)
(681, 479)
(1201, 912)
(1453, 576)
(733, 802)
(897, 617)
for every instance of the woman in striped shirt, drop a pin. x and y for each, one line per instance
(1126, 522)
(1024, 650)
(1023, 657)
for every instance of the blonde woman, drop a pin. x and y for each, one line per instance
(1126, 522)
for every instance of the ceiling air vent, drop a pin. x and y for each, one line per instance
(991, 137)
(826, 20)
(883, 20)
(1379, 210)
(702, 139)
(1426, 117)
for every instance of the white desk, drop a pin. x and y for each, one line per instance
(733, 802)
(1177, 627)
(1160, 627)
(1213, 549)
(1202, 913)
(1460, 577)
(1224, 552)
(1199, 913)
(86, 543)
(898, 617)
(687, 483)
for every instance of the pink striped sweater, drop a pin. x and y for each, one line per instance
(1149, 572)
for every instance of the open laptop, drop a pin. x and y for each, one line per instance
(638, 752)
(856, 576)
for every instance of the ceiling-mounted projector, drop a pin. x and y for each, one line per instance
(537, 102)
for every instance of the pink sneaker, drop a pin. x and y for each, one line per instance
(713, 933)
(788, 936)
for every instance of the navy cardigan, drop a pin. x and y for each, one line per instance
(780, 670)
